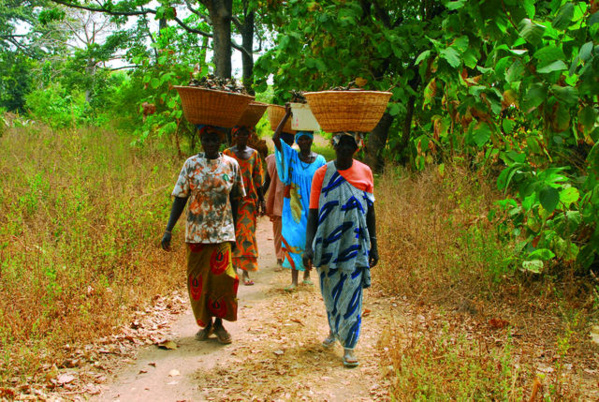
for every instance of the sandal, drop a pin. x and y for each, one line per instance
(223, 336)
(204, 333)
(350, 362)
(328, 342)
(290, 288)
(307, 282)
(248, 282)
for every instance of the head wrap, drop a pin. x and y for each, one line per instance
(300, 134)
(237, 129)
(205, 128)
(358, 137)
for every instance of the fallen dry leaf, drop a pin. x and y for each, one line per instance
(170, 345)
(366, 312)
(174, 373)
(498, 323)
(63, 379)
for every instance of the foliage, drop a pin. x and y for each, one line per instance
(79, 214)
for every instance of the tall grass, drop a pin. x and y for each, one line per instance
(439, 251)
(81, 215)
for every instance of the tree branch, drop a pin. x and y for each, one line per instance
(199, 14)
(104, 10)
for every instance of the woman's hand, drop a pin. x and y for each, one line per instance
(373, 255)
(166, 241)
(307, 258)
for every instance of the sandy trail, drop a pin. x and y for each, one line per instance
(276, 352)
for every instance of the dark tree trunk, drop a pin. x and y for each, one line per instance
(247, 36)
(220, 12)
(376, 142)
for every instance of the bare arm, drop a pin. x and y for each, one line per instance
(176, 211)
(310, 233)
(373, 255)
(276, 137)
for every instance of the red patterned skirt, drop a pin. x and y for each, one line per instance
(211, 282)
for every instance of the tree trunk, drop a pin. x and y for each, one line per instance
(220, 12)
(406, 131)
(376, 142)
(247, 36)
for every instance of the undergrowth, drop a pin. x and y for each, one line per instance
(81, 215)
(439, 249)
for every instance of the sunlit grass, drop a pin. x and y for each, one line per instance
(81, 215)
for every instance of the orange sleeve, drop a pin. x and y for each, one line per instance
(317, 181)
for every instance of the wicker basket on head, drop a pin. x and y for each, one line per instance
(275, 115)
(348, 110)
(215, 108)
(252, 114)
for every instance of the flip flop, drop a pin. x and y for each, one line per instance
(249, 282)
(203, 334)
(328, 342)
(290, 288)
(223, 336)
(350, 363)
(307, 282)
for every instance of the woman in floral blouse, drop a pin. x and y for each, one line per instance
(212, 183)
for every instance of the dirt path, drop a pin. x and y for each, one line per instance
(276, 353)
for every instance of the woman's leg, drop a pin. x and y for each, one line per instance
(221, 333)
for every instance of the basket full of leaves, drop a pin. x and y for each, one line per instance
(275, 115)
(348, 110)
(213, 101)
(252, 115)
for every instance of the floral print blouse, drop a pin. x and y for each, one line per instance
(208, 184)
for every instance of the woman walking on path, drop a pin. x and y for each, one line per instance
(212, 182)
(295, 170)
(341, 240)
(245, 257)
(274, 200)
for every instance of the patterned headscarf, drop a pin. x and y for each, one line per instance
(358, 136)
(300, 134)
(205, 128)
(235, 131)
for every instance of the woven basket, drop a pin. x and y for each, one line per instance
(252, 114)
(275, 115)
(348, 110)
(215, 108)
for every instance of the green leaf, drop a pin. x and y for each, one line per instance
(593, 19)
(470, 58)
(585, 51)
(551, 67)
(394, 109)
(564, 16)
(534, 266)
(543, 254)
(508, 126)
(549, 198)
(514, 73)
(455, 5)
(422, 56)
(461, 44)
(534, 97)
(568, 196)
(452, 56)
(587, 117)
(549, 53)
(531, 31)
(529, 7)
(568, 95)
(482, 134)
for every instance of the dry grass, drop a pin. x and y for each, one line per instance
(81, 215)
(439, 252)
